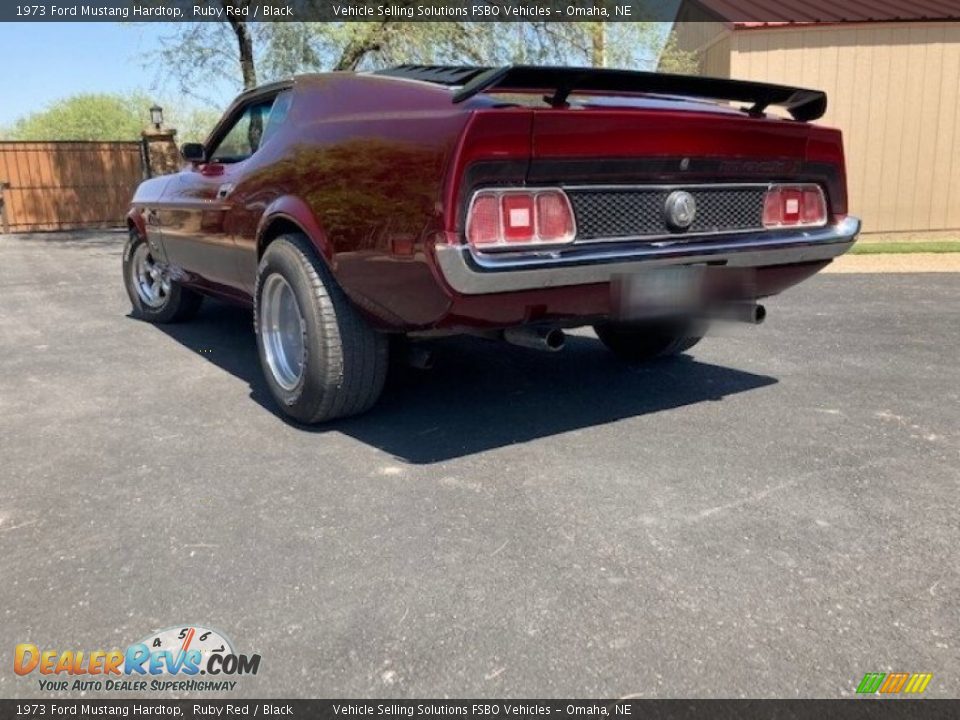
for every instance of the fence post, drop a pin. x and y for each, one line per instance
(3, 210)
(145, 158)
(160, 151)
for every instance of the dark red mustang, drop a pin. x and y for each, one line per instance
(509, 202)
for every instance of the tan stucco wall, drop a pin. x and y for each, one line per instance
(894, 91)
(710, 39)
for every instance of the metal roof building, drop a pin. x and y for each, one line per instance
(891, 70)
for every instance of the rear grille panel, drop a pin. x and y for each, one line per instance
(635, 212)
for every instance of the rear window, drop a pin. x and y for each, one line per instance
(586, 100)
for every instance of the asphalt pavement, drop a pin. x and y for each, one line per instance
(773, 516)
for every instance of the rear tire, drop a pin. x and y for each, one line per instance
(154, 295)
(320, 358)
(645, 341)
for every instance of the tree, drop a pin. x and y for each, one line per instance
(104, 116)
(197, 54)
(88, 116)
(289, 48)
(193, 123)
(675, 60)
(244, 41)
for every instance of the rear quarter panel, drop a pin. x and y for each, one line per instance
(366, 157)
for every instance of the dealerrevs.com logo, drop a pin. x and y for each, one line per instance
(169, 660)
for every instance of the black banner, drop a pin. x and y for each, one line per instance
(339, 10)
(377, 11)
(866, 709)
(397, 10)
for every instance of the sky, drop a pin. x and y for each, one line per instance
(41, 62)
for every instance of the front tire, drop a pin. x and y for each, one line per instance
(646, 341)
(155, 296)
(320, 358)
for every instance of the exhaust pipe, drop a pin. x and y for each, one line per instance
(746, 312)
(536, 337)
(755, 314)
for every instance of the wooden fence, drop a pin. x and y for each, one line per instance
(66, 185)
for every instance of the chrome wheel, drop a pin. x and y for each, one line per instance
(149, 278)
(282, 331)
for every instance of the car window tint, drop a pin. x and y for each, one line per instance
(246, 135)
(278, 113)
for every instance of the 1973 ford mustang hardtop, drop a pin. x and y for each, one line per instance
(508, 202)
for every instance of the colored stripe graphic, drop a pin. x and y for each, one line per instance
(870, 683)
(894, 683)
(918, 682)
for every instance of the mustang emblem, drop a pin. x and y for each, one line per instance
(680, 209)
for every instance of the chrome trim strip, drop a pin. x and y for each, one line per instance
(472, 274)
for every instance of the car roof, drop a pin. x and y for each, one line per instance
(640, 100)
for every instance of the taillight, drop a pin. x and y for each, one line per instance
(485, 220)
(554, 217)
(794, 206)
(516, 211)
(513, 218)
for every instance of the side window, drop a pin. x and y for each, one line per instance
(278, 114)
(244, 138)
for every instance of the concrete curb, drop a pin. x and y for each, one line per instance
(896, 263)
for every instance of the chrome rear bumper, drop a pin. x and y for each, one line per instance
(470, 273)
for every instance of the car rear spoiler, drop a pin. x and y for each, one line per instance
(804, 105)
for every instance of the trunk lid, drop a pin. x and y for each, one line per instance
(646, 144)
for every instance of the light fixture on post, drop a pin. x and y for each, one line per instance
(156, 116)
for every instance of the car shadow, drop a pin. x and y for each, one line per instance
(481, 395)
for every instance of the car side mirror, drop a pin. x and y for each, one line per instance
(193, 152)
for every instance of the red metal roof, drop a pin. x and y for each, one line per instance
(762, 13)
